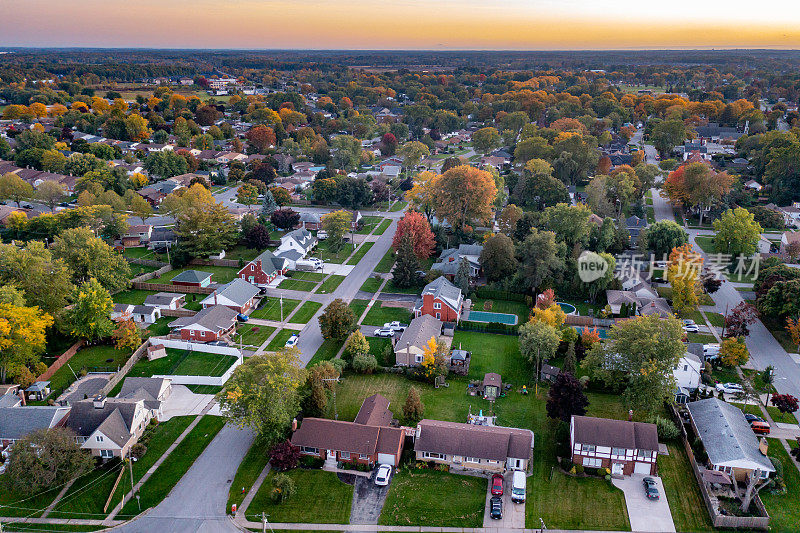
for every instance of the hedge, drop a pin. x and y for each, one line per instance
(490, 327)
(495, 294)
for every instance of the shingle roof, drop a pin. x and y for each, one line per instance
(468, 440)
(726, 434)
(445, 291)
(85, 418)
(214, 318)
(337, 435)
(302, 236)
(269, 262)
(162, 298)
(238, 291)
(615, 433)
(16, 422)
(374, 412)
(152, 386)
(419, 332)
(192, 276)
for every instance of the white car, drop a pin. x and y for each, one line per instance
(729, 388)
(292, 342)
(322, 235)
(384, 332)
(383, 475)
(688, 322)
(691, 328)
(711, 349)
(395, 326)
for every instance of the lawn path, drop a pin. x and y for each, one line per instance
(109, 519)
(58, 498)
(252, 493)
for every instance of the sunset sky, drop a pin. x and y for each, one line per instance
(401, 24)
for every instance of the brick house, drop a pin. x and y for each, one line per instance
(368, 440)
(440, 299)
(210, 324)
(238, 295)
(621, 446)
(263, 269)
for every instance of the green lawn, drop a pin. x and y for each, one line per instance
(716, 319)
(369, 223)
(330, 284)
(520, 309)
(326, 352)
(141, 252)
(358, 306)
(87, 496)
(204, 389)
(219, 274)
(416, 498)
(100, 357)
(324, 252)
(138, 270)
(320, 498)
(371, 285)
(379, 315)
(684, 497)
(160, 326)
(253, 335)
(382, 227)
(705, 338)
(377, 345)
(650, 214)
(183, 363)
(398, 206)
(180, 460)
(783, 508)
(774, 413)
(390, 287)
(18, 504)
(279, 341)
(270, 308)
(706, 243)
(306, 312)
(308, 276)
(297, 285)
(494, 353)
(362, 250)
(780, 334)
(242, 252)
(249, 469)
(386, 263)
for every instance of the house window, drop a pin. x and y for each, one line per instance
(418, 358)
(437, 305)
(309, 450)
(617, 451)
(592, 462)
(640, 454)
(106, 453)
(587, 448)
(685, 368)
(99, 438)
(472, 460)
(202, 333)
(438, 316)
(432, 455)
(363, 456)
(344, 455)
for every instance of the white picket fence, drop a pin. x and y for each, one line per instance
(181, 344)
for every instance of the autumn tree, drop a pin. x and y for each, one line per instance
(733, 352)
(126, 335)
(413, 408)
(737, 323)
(683, 273)
(508, 219)
(14, 188)
(338, 320)
(464, 194)
(357, 344)
(50, 193)
(90, 314)
(419, 231)
(786, 403)
(89, 257)
(263, 393)
(284, 456)
(22, 333)
(434, 360)
(140, 207)
(285, 218)
(793, 327)
(337, 224)
(261, 137)
(566, 398)
(422, 195)
(247, 194)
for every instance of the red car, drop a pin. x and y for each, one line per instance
(497, 485)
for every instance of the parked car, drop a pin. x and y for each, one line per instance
(497, 485)
(760, 428)
(312, 263)
(711, 349)
(688, 322)
(242, 317)
(384, 332)
(496, 506)
(396, 326)
(383, 475)
(322, 235)
(691, 328)
(292, 341)
(729, 388)
(519, 485)
(753, 418)
(650, 489)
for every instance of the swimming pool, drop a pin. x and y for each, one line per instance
(488, 316)
(568, 308)
(600, 331)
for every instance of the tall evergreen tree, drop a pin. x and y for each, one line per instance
(570, 359)
(269, 206)
(461, 279)
(405, 271)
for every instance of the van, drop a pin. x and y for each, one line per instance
(760, 428)
(518, 486)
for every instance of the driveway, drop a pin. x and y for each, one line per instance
(183, 402)
(368, 500)
(645, 515)
(513, 513)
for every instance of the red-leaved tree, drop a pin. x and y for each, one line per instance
(738, 321)
(418, 228)
(786, 403)
(284, 456)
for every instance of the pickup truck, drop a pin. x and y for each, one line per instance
(395, 326)
(312, 263)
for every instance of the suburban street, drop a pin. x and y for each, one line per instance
(764, 349)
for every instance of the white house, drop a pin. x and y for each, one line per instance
(687, 372)
(300, 240)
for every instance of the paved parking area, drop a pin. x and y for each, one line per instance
(513, 513)
(182, 402)
(645, 515)
(368, 499)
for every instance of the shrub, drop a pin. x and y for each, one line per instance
(565, 464)
(310, 462)
(667, 430)
(138, 450)
(579, 469)
(364, 364)
(284, 456)
(283, 488)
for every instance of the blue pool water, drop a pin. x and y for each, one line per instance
(568, 308)
(600, 331)
(488, 316)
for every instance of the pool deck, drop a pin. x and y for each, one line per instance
(493, 314)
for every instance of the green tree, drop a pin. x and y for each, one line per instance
(737, 233)
(357, 344)
(44, 459)
(537, 187)
(486, 139)
(538, 342)
(140, 207)
(570, 223)
(50, 193)
(338, 320)
(640, 354)
(269, 206)
(346, 152)
(165, 164)
(336, 224)
(353, 193)
(206, 230)
(14, 188)
(90, 314)
(661, 237)
(541, 259)
(404, 273)
(413, 152)
(43, 279)
(667, 135)
(461, 279)
(89, 257)
(497, 258)
(263, 393)
(413, 408)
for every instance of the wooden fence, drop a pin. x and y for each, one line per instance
(177, 312)
(216, 262)
(168, 287)
(123, 371)
(61, 361)
(150, 275)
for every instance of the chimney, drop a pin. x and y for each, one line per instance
(99, 401)
(763, 446)
(21, 394)
(294, 425)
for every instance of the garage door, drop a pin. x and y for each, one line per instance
(641, 468)
(388, 459)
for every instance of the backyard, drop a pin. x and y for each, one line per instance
(93, 358)
(183, 363)
(783, 508)
(378, 315)
(218, 274)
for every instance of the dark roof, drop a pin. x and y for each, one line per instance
(214, 318)
(337, 435)
(374, 412)
(468, 440)
(492, 378)
(191, 276)
(84, 418)
(390, 439)
(16, 422)
(615, 433)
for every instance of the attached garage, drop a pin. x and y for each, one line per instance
(386, 459)
(642, 468)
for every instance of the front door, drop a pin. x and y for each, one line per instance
(616, 469)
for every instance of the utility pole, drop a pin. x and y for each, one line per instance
(281, 307)
(333, 388)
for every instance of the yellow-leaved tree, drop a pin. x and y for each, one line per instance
(434, 362)
(22, 335)
(683, 275)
